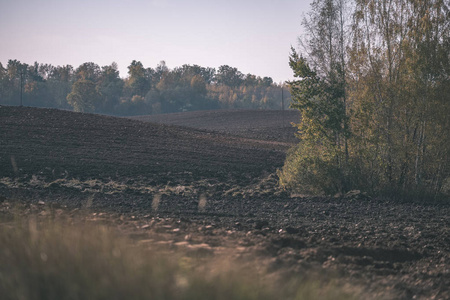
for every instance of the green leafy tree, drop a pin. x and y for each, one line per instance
(88, 71)
(266, 81)
(229, 76)
(36, 90)
(110, 86)
(6, 85)
(84, 96)
(250, 80)
(139, 81)
(186, 72)
(18, 76)
(59, 82)
(198, 85)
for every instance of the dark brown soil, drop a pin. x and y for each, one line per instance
(269, 125)
(51, 142)
(208, 190)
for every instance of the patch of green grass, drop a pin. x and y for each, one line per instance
(48, 259)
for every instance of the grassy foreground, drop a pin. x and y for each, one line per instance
(41, 258)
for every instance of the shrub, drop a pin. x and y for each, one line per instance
(308, 170)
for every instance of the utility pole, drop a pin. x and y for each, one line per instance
(282, 104)
(21, 86)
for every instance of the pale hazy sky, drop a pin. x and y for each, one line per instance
(252, 35)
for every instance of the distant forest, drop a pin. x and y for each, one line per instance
(91, 88)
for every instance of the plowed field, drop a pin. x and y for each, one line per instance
(269, 125)
(213, 185)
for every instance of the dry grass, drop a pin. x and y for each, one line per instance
(41, 258)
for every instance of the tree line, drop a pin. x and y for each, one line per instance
(373, 86)
(91, 88)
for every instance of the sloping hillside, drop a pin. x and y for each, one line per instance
(59, 143)
(272, 125)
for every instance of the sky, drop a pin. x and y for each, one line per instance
(254, 36)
